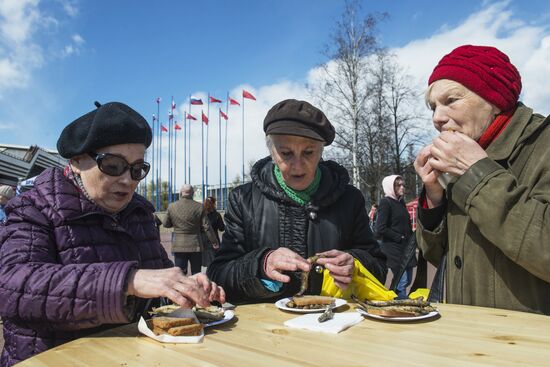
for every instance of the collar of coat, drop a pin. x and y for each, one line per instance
(520, 128)
(60, 193)
(334, 182)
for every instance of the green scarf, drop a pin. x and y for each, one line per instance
(301, 197)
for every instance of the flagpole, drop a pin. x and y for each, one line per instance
(159, 166)
(175, 158)
(207, 130)
(153, 165)
(220, 154)
(242, 137)
(224, 198)
(185, 147)
(189, 146)
(169, 166)
(202, 153)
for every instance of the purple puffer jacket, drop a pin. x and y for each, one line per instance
(64, 263)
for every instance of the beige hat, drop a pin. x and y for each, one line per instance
(7, 191)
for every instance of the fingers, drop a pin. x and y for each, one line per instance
(278, 276)
(284, 259)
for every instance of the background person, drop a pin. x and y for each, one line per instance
(190, 222)
(492, 222)
(393, 226)
(217, 225)
(295, 207)
(80, 252)
(6, 193)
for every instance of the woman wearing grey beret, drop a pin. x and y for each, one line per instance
(81, 251)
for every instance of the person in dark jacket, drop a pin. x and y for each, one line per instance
(80, 252)
(393, 226)
(296, 206)
(217, 225)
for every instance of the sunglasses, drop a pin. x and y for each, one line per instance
(113, 165)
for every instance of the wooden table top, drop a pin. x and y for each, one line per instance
(462, 336)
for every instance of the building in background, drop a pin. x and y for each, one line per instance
(19, 162)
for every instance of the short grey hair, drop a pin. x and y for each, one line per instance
(271, 146)
(187, 191)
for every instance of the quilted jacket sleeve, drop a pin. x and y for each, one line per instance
(36, 288)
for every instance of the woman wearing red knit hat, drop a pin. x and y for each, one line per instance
(484, 214)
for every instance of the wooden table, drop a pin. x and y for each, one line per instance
(462, 336)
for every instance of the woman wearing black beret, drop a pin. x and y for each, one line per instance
(81, 251)
(295, 207)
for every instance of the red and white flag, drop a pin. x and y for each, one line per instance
(177, 127)
(215, 100)
(191, 117)
(204, 118)
(248, 95)
(233, 102)
(163, 129)
(223, 115)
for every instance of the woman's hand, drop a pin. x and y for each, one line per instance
(429, 175)
(281, 260)
(454, 153)
(340, 265)
(171, 283)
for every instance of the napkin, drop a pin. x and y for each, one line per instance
(166, 338)
(341, 321)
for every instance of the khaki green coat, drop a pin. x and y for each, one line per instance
(190, 224)
(497, 223)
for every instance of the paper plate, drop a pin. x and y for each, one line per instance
(407, 318)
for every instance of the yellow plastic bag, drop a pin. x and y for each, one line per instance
(363, 285)
(420, 292)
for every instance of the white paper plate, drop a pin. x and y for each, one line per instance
(227, 315)
(281, 304)
(407, 318)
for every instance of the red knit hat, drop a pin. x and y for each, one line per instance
(484, 70)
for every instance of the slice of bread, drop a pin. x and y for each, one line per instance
(186, 330)
(164, 322)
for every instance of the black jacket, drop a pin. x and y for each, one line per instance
(393, 227)
(261, 217)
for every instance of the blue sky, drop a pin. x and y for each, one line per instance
(58, 56)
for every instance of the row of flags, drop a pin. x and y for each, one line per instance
(159, 128)
(198, 102)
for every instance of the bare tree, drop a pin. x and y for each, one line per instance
(342, 86)
(398, 97)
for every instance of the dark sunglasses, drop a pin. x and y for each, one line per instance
(113, 165)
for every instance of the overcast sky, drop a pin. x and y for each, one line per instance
(58, 56)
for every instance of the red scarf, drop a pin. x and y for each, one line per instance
(495, 129)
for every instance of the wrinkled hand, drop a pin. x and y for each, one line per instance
(428, 174)
(284, 259)
(340, 265)
(455, 153)
(171, 283)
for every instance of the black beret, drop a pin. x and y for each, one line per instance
(110, 124)
(293, 117)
